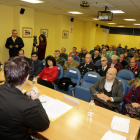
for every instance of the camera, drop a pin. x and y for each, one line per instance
(34, 41)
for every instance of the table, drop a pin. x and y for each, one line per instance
(76, 125)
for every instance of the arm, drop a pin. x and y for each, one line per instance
(127, 97)
(54, 75)
(41, 73)
(35, 117)
(7, 44)
(21, 44)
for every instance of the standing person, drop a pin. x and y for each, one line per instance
(19, 111)
(14, 44)
(42, 47)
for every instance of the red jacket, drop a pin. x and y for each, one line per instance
(118, 66)
(75, 53)
(50, 74)
(128, 96)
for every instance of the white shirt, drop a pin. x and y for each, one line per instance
(108, 86)
(104, 67)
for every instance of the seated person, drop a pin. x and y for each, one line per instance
(103, 54)
(81, 49)
(103, 68)
(133, 66)
(122, 61)
(119, 46)
(125, 48)
(21, 54)
(70, 63)
(109, 89)
(83, 53)
(126, 57)
(19, 111)
(114, 47)
(103, 46)
(135, 49)
(138, 51)
(114, 52)
(74, 51)
(107, 48)
(36, 66)
(97, 48)
(133, 53)
(110, 52)
(114, 63)
(96, 56)
(63, 54)
(49, 73)
(86, 66)
(58, 59)
(137, 57)
(132, 101)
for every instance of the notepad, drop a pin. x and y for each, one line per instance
(53, 107)
(120, 124)
(109, 135)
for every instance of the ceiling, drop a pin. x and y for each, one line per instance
(61, 7)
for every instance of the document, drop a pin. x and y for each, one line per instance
(23, 91)
(109, 135)
(120, 124)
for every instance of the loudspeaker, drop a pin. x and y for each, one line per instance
(96, 25)
(72, 19)
(22, 10)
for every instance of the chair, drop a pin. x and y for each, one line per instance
(82, 92)
(75, 76)
(92, 51)
(64, 59)
(47, 57)
(60, 73)
(77, 62)
(77, 58)
(138, 63)
(98, 62)
(126, 75)
(109, 59)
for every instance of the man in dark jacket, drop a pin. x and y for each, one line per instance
(133, 66)
(14, 44)
(122, 61)
(19, 111)
(83, 53)
(96, 56)
(36, 66)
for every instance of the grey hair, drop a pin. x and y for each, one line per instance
(114, 57)
(71, 56)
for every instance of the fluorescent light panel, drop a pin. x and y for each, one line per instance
(33, 1)
(111, 23)
(136, 24)
(116, 11)
(74, 12)
(130, 19)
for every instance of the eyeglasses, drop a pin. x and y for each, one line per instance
(103, 60)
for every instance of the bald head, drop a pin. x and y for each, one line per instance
(88, 58)
(111, 74)
(96, 53)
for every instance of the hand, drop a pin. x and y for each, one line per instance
(135, 105)
(106, 98)
(34, 93)
(100, 96)
(16, 46)
(80, 80)
(10, 46)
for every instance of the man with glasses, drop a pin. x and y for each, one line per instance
(21, 54)
(63, 54)
(103, 54)
(103, 68)
(14, 44)
(96, 56)
(36, 66)
(110, 52)
(122, 61)
(83, 53)
(107, 91)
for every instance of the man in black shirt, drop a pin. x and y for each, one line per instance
(83, 53)
(96, 56)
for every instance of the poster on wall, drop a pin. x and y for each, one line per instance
(27, 32)
(44, 31)
(65, 34)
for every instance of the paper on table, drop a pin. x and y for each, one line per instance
(23, 91)
(120, 124)
(109, 135)
(56, 109)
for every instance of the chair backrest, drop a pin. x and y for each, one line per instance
(47, 57)
(84, 60)
(138, 63)
(109, 59)
(77, 58)
(92, 51)
(60, 73)
(124, 88)
(98, 62)
(77, 62)
(74, 74)
(89, 79)
(64, 59)
(126, 74)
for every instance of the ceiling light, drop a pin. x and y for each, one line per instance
(33, 1)
(120, 26)
(75, 12)
(95, 19)
(136, 24)
(130, 19)
(116, 11)
(111, 23)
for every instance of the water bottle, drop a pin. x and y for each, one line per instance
(91, 108)
(35, 81)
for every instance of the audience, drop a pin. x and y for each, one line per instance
(74, 51)
(103, 46)
(63, 54)
(86, 66)
(97, 48)
(114, 52)
(114, 63)
(107, 47)
(103, 54)
(21, 54)
(103, 68)
(36, 66)
(122, 61)
(132, 101)
(58, 59)
(96, 56)
(133, 66)
(126, 57)
(49, 73)
(70, 63)
(19, 111)
(125, 48)
(107, 91)
(110, 52)
(119, 46)
(83, 53)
